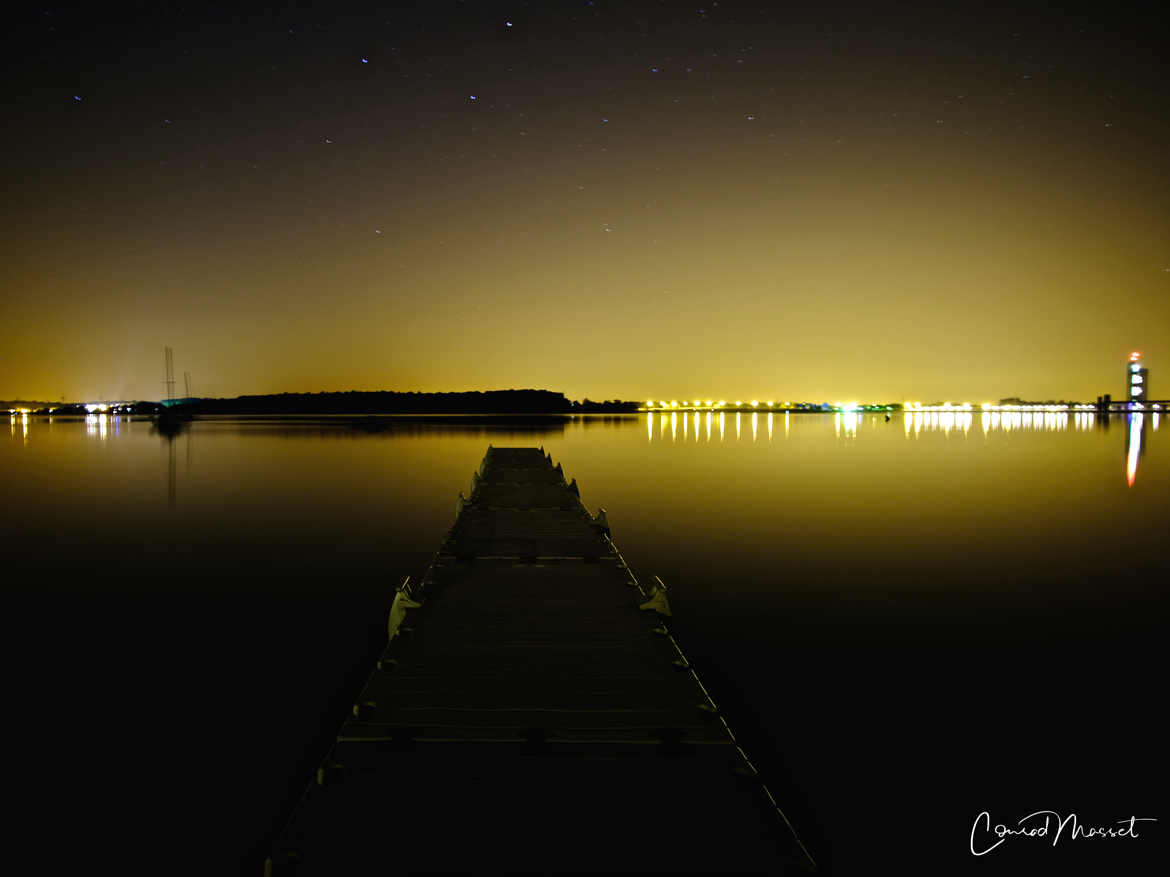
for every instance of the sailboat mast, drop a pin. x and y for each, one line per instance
(170, 381)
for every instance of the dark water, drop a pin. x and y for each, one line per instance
(909, 622)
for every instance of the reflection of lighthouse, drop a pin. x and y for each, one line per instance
(1135, 445)
(1137, 379)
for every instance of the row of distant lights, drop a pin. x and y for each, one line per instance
(850, 407)
(92, 408)
(987, 406)
(663, 405)
(700, 405)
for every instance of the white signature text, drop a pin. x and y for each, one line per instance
(985, 837)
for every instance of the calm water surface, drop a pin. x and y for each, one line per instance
(909, 621)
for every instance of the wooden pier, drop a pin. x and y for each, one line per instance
(528, 715)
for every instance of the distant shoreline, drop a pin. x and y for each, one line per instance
(356, 403)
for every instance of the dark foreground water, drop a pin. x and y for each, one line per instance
(909, 622)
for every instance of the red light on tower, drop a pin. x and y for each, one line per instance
(1135, 356)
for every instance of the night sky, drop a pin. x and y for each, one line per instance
(819, 201)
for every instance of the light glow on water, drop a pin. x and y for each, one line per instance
(951, 423)
(1134, 449)
(914, 423)
(942, 481)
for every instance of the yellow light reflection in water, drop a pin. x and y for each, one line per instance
(661, 425)
(722, 419)
(696, 426)
(769, 425)
(650, 427)
(708, 426)
(686, 420)
(673, 425)
(24, 427)
(1135, 447)
(785, 424)
(755, 424)
(102, 426)
(737, 426)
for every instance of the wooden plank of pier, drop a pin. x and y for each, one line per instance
(528, 716)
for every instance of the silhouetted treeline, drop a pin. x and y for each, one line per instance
(609, 406)
(1016, 400)
(385, 402)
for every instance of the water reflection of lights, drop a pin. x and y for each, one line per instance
(97, 425)
(847, 423)
(1135, 447)
(997, 419)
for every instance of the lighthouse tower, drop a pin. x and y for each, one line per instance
(1137, 379)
